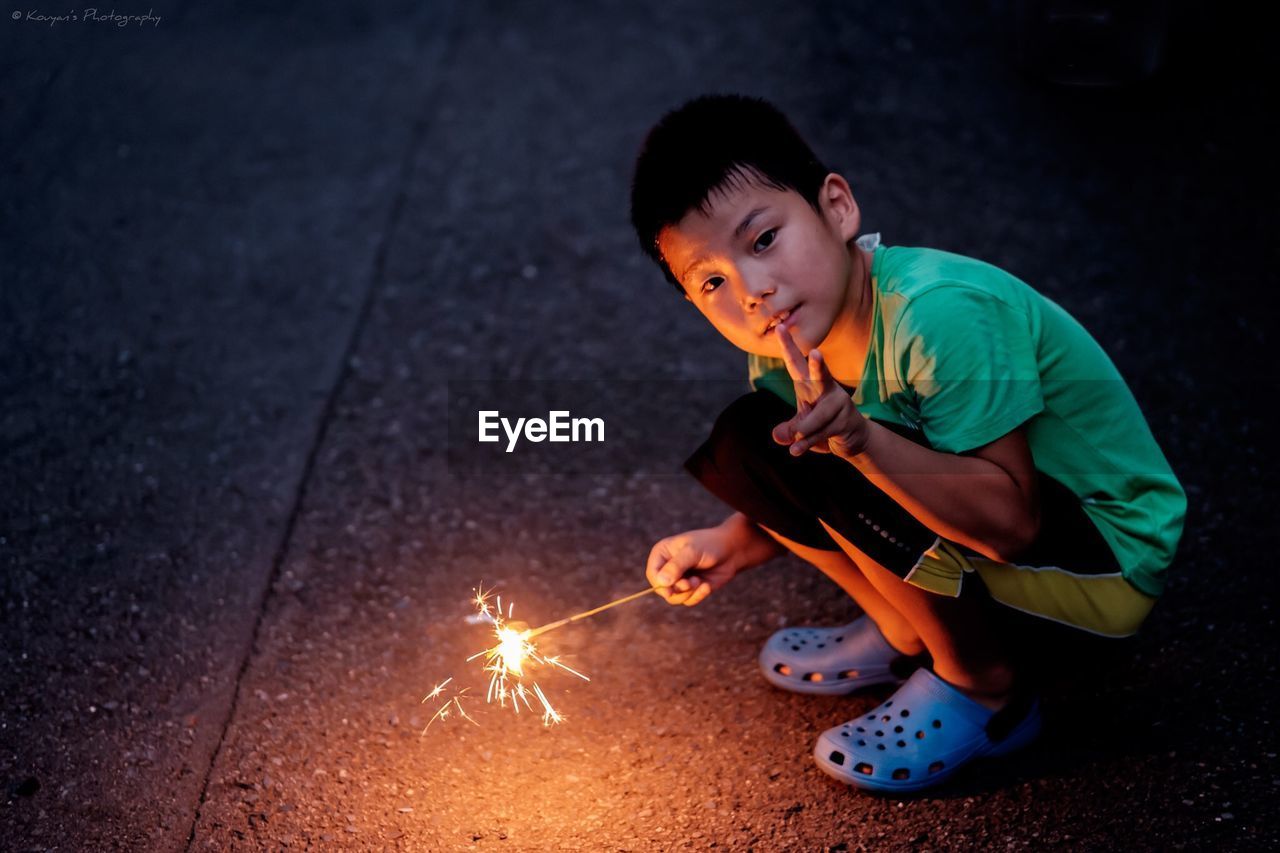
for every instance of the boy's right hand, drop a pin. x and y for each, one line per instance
(689, 566)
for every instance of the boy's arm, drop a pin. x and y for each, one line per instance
(986, 499)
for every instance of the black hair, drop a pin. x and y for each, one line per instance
(712, 144)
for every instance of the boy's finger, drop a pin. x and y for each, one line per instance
(678, 597)
(815, 420)
(791, 354)
(819, 372)
(816, 440)
(657, 557)
(699, 595)
(785, 432)
(686, 589)
(817, 426)
(667, 574)
(684, 559)
(803, 445)
(789, 432)
(807, 419)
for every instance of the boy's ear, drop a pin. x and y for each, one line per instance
(840, 206)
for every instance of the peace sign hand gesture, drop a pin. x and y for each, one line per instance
(826, 419)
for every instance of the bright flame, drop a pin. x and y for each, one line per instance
(511, 651)
(507, 663)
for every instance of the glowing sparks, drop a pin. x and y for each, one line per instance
(509, 662)
(453, 704)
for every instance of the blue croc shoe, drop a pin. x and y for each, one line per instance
(921, 735)
(831, 661)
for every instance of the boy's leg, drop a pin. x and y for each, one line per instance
(960, 633)
(895, 627)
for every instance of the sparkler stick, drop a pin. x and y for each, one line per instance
(560, 623)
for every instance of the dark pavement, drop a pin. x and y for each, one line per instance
(245, 252)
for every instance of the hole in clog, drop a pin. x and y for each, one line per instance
(822, 645)
(862, 742)
(862, 767)
(844, 734)
(837, 757)
(813, 676)
(936, 766)
(795, 648)
(886, 718)
(919, 735)
(902, 743)
(897, 729)
(937, 724)
(906, 713)
(879, 733)
(782, 669)
(880, 746)
(839, 639)
(849, 673)
(871, 716)
(901, 773)
(889, 704)
(861, 729)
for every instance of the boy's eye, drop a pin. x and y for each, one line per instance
(766, 239)
(712, 283)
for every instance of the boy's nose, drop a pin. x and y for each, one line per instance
(755, 292)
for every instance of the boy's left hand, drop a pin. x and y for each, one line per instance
(826, 419)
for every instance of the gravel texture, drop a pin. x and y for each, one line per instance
(246, 252)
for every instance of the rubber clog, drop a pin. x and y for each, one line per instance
(832, 661)
(922, 735)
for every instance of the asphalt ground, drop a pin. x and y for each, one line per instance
(245, 255)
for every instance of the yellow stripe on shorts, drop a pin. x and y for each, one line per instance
(1104, 604)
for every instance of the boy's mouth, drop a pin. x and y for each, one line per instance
(782, 318)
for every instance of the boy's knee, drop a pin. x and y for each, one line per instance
(741, 464)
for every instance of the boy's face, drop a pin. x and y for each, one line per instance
(763, 256)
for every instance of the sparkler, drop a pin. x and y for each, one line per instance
(584, 614)
(509, 661)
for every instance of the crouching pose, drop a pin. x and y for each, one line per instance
(949, 446)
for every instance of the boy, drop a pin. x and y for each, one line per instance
(949, 446)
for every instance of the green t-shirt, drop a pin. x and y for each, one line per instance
(966, 352)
